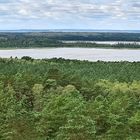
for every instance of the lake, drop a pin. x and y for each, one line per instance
(91, 54)
(104, 42)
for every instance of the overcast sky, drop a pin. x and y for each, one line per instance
(70, 14)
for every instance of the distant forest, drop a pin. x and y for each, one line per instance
(54, 39)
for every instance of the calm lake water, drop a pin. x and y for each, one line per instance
(104, 42)
(91, 54)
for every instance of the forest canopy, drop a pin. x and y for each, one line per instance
(61, 99)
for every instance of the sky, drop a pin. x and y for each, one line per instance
(70, 14)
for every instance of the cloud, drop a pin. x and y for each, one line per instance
(66, 10)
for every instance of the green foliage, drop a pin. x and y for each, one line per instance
(57, 39)
(61, 99)
(50, 83)
(27, 58)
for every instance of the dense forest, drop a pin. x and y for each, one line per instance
(93, 36)
(56, 39)
(61, 99)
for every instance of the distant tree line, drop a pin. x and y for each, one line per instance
(40, 40)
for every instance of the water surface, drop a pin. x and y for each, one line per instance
(91, 54)
(104, 42)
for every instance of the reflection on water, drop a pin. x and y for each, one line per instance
(91, 54)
